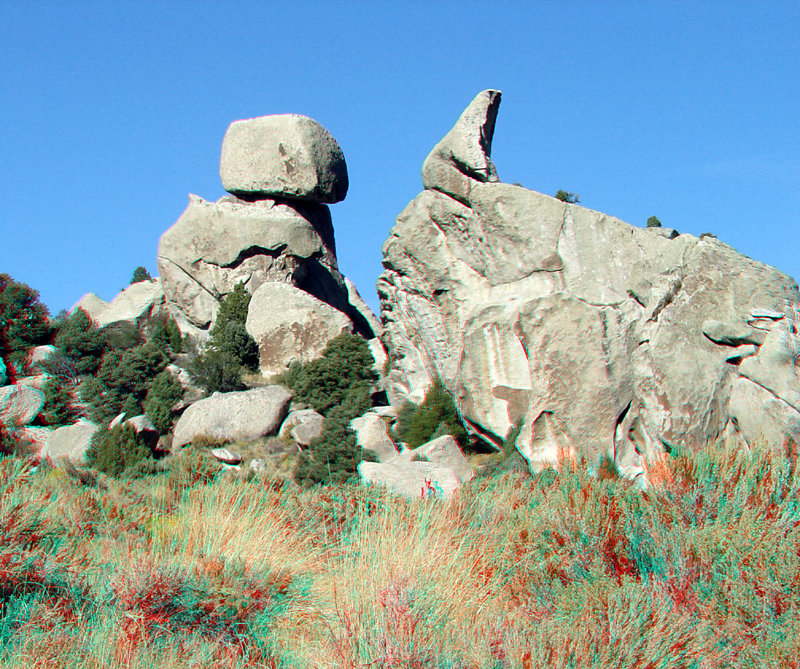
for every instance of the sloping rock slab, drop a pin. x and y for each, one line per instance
(372, 434)
(91, 304)
(241, 416)
(133, 307)
(444, 452)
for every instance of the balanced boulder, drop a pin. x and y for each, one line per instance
(285, 155)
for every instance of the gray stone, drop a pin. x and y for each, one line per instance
(372, 434)
(91, 304)
(302, 425)
(732, 334)
(70, 442)
(233, 417)
(283, 155)
(226, 456)
(40, 354)
(214, 246)
(463, 158)
(20, 404)
(444, 452)
(291, 325)
(760, 416)
(418, 480)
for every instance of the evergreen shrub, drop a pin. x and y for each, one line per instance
(115, 450)
(58, 409)
(417, 425)
(81, 342)
(162, 395)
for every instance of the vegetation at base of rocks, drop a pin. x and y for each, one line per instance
(344, 370)
(230, 348)
(163, 394)
(140, 274)
(653, 222)
(116, 450)
(122, 382)
(167, 336)
(337, 385)
(24, 320)
(186, 568)
(12, 443)
(80, 344)
(436, 416)
(566, 196)
(58, 409)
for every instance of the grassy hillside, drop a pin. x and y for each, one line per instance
(189, 569)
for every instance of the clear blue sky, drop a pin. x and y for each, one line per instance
(111, 113)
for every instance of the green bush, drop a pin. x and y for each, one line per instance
(122, 382)
(334, 456)
(230, 347)
(24, 321)
(115, 450)
(344, 369)
(58, 409)
(565, 196)
(140, 274)
(167, 336)
(653, 222)
(81, 342)
(417, 425)
(164, 392)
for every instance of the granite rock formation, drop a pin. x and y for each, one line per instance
(602, 337)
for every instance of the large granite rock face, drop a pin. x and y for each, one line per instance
(603, 337)
(286, 155)
(275, 235)
(230, 417)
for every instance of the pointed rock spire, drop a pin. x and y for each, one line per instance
(463, 157)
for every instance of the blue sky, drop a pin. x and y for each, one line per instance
(111, 113)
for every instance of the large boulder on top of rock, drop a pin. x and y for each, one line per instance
(230, 417)
(603, 338)
(20, 404)
(70, 442)
(285, 155)
(290, 325)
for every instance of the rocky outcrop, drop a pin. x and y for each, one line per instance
(372, 434)
(230, 417)
(603, 337)
(20, 404)
(285, 155)
(274, 234)
(91, 304)
(302, 425)
(134, 308)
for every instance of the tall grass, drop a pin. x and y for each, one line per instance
(559, 570)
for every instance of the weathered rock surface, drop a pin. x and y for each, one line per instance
(603, 337)
(288, 324)
(372, 434)
(240, 416)
(226, 456)
(70, 442)
(444, 452)
(91, 304)
(214, 246)
(411, 479)
(303, 425)
(20, 404)
(40, 354)
(137, 305)
(283, 155)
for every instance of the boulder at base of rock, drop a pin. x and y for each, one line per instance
(302, 425)
(228, 417)
(289, 324)
(373, 435)
(70, 442)
(285, 155)
(444, 452)
(20, 404)
(226, 456)
(411, 479)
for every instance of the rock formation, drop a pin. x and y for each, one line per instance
(605, 338)
(275, 234)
